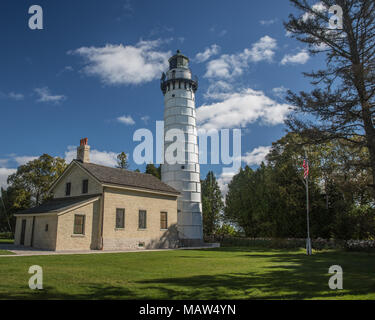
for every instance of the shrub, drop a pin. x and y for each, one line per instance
(360, 245)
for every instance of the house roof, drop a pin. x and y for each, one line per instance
(127, 178)
(59, 204)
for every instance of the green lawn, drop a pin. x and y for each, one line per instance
(6, 241)
(5, 252)
(226, 273)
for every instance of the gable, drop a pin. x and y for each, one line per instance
(75, 175)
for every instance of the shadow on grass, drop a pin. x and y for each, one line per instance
(285, 275)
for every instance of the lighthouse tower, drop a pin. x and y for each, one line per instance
(179, 87)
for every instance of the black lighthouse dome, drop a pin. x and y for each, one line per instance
(178, 61)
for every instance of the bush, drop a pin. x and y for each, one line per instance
(360, 245)
(277, 243)
(6, 235)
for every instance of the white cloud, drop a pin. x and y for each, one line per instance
(46, 96)
(257, 156)
(21, 160)
(16, 96)
(208, 53)
(128, 120)
(228, 66)
(263, 50)
(12, 95)
(124, 65)
(4, 173)
(99, 157)
(267, 22)
(288, 34)
(145, 119)
(128, 8)
(218, 90)
(239, 109)
(317, 8)
(300, 58)
(223, 181)
(280, 92)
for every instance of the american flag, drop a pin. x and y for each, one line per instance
(306, 169)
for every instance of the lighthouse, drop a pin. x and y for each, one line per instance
(179, 87)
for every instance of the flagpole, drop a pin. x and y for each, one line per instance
(308, 241)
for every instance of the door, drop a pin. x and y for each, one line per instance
(23, 230)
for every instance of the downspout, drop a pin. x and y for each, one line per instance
(102, 222)
(32, 233)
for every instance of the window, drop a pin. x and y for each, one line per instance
(120, 218)
(85, 186)
(68, 187)
(163, 220)
(46, 228)
(142, 223)
(79, 224)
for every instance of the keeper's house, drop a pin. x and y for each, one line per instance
(104, 208)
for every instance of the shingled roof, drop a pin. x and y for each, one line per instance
(57, 205)
(127, 178)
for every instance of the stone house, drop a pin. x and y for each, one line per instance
(104, 208)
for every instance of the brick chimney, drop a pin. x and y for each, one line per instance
(83, 151)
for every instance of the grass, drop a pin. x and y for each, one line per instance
(6, 241)
(5, 252)
(225, 273)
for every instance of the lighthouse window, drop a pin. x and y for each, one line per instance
(185, 84)
(174, 85)
(179, 84)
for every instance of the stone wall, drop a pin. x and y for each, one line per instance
(131, 237)
(45, 239)
(67, 240)
(75, 176)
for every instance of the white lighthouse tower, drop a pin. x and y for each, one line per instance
(179, 87)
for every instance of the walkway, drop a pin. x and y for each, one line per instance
(21, 251)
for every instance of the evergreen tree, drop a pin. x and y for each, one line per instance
(155, 171)
(212, 204)
(343, 99)
(122, 161)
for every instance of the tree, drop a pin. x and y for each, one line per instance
(33, 180)
(155, 171)
(343, 99)
(212, 204)
(122, 161)
(12, 201)
(271, 200)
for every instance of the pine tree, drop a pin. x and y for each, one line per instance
(122, 161)
(212, 204)
(155, 171)
(343, 99)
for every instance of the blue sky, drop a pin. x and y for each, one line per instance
(94, 71)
